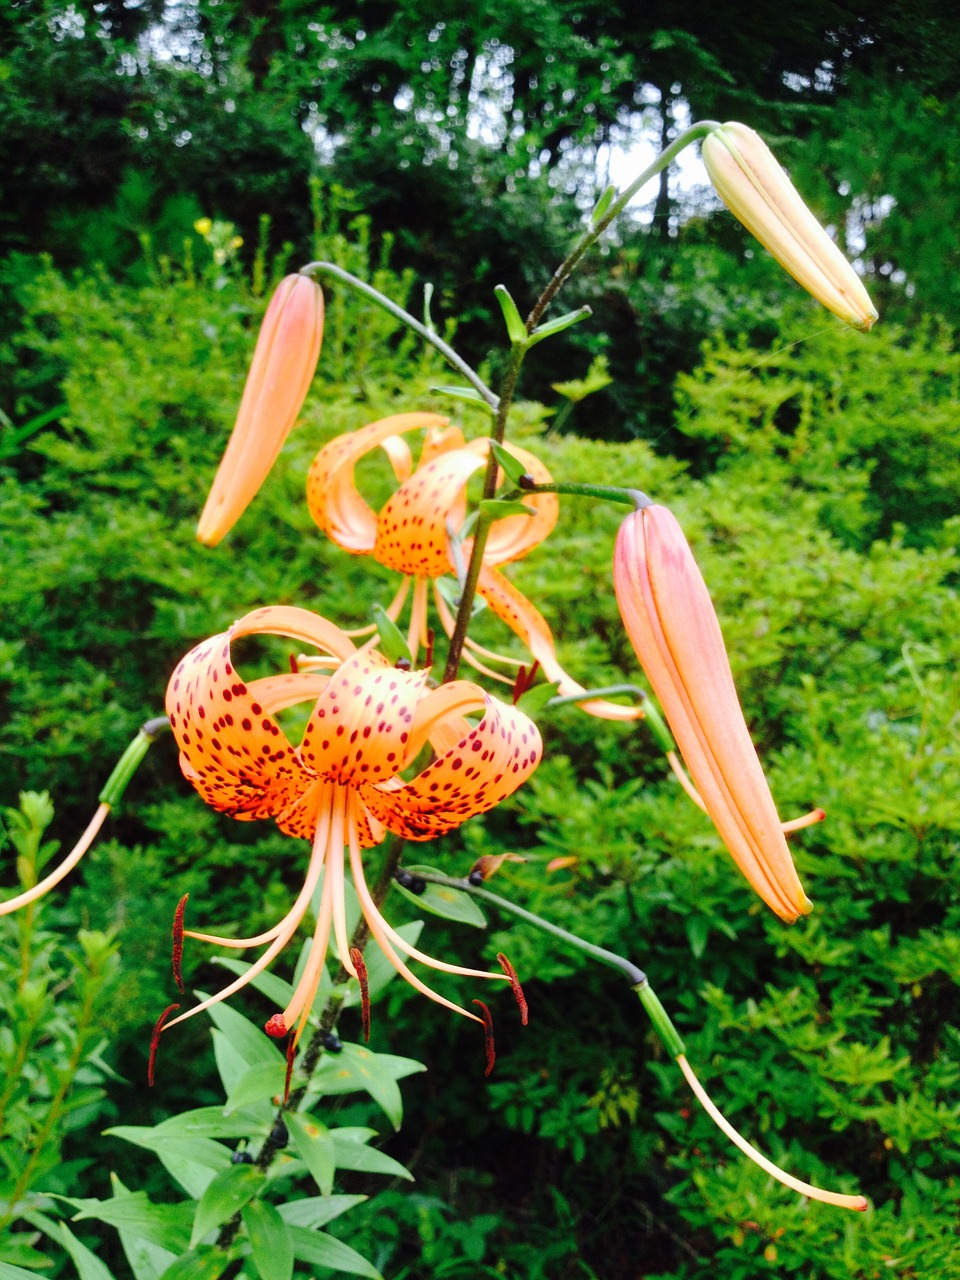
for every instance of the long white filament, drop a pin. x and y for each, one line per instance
(65, 867)
(795, 1184)
(288, 926)
(378, 930)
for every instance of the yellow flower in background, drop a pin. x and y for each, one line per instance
(755, 189)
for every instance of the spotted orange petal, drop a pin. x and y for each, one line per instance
(332, 495)
(361, 724)
(231, 748)
(488, 764)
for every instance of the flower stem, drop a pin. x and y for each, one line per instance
(602, 492)
(665, 1029)
(593, 232)
(427, 334)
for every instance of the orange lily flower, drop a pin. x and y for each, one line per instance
(284, 363)
(412, 533)
(341, 787)
(673, 627)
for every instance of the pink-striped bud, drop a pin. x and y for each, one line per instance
(673, 627)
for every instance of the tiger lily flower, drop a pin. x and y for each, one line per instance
(412, 533)
(341, 788)
(673, 628)
(283, 366)
(750, 182)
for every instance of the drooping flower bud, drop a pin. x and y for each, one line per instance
(673, 627)
(283, 366)
(755, 189)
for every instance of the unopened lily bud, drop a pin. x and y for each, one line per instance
(488, 864)
(673, 627)
(755, 189)
(283, 366)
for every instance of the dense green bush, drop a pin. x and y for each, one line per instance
(816, 505)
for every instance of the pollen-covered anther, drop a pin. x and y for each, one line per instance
(276, 1026)
(487, 1036)
(357, 957)
(155, 1041)
(177, 958)
(515, 986)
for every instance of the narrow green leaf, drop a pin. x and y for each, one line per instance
(147, 1260)
(205, 1263)
(516, 329)
(392, 642)
(325, 1251)
(536, 697)
(351, 1154)
(557, 326)
(89, 1266)
(10, 1272)
(215, 1122)
(250, 1041)
(270, 1241)
(603, 204)
(167, 1225)
(315, 1147)
(512, 467)
(193, 1162)
(262, 1082)
(226, 1195)
(317, 1211)
(462, 393)
(499, 508)
(356, 1068)
(275, 989)
(441, 900)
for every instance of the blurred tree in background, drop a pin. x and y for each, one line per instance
(491, 126)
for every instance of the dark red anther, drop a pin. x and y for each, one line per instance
(357, 957)
(178, 942)
(524, 681)
(487, 1036)
(291, 1054)
(515, 986)
(155, 1040)
(294, 665)
(275, 1026)
(428, 652)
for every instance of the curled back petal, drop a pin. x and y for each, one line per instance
(488, 764)
(529, 624)
(332, 495)
(413, 527)
(236, 755)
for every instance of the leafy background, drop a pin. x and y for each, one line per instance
(815, 472)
